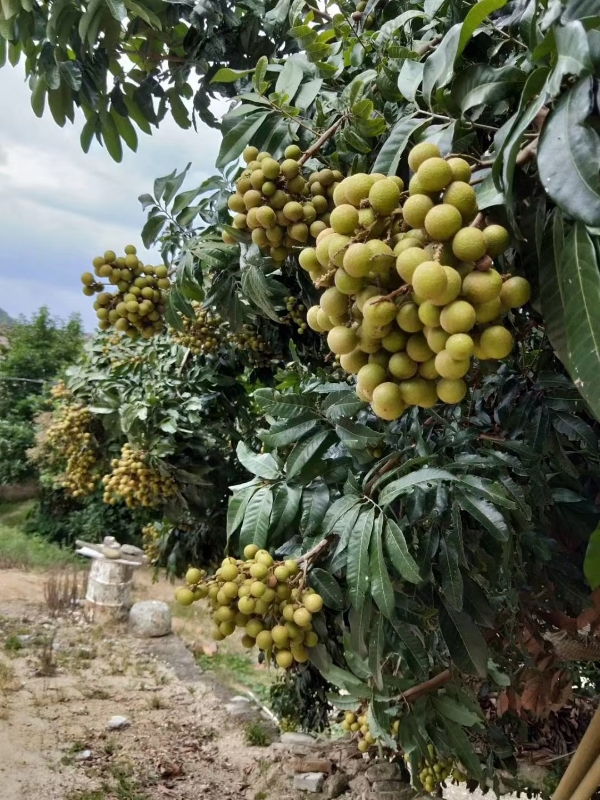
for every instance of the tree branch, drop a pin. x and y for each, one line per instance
(314, 148)
(412, 694)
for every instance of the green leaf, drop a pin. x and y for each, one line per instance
(315, 502)
(486, 489)
(308, 93)
(410, 78)
(342, 404)
(568, 155)
(486, 514)
(152, 229)
(427, 476)
(355, 435)
(305, 452)
(286, 502)
(125, 129)
(376, 643)
(238, 136)
(381, 586)
(458, 742)
(455, 711)
(551, 296)
(282, 405)
(452, 583)
(464, 641)
(575, 429)
(289, 78)
(327, 586)
(337, 510)
(573, 54)
(591, 563)
(262, 465)
(439, 67)
(111, 138)
(117, 9)
(359, 620)
(394, 146)
(482, 84)
(259, 73)
(357, 569)
(227, 75)
(580, 282)
(413, 649)
(478, 12)
(291, 433)
(397, 549)
(38, 96)
(237, 507)
(255, 525)
(260, 290)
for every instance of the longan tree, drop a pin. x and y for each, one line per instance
(424, 181)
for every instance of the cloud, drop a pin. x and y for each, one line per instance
(60, 207)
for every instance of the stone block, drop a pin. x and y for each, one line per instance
(149, 619)
(384, 771)
(335, 785)
(309, 782)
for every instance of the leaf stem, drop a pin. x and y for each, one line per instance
(314, 148)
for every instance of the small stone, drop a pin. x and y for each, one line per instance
(290, 738)
(309, 781)
(149, 619)
(360, 785)
(117, 723)
(384, 771)
(335, 785)
(84, 755)
(391, 786)
(403, 794)
(310, 765)
(25, 638)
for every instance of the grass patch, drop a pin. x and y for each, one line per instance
(120, 785)
(235, 670)
(13, 644)
(257, 735)
(20, 550)
(7, 676)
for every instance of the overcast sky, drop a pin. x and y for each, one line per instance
(60, 207)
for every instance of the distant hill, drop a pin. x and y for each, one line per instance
(5, 319)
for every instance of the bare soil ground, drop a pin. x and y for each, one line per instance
(61, 680)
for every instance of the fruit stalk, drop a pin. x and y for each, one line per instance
(314, 148)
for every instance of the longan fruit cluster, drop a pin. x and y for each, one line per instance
(279, 206)
(412, 293)
(136, 482)
(297, 313)
(433, 770)
(60, 391)
(264, 598)
(150, 542)
(203, 334)
(71, 442)
(137, 306)
(358, 724)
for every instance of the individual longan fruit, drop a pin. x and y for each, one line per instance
(452, 290)
(497, 239)
(429, 280)
(515, 292)
(415, 209)
(333, 302)
(185, 597)
(417, 348)
(402, 366)
(408, 319)
(427, 369)
(469, 244)
(292, 151)
(342, 340)
(193, 576)
(347, 284)
(394, 341)
(357, 260)
(443, 221)
(313, 602)
(408, 260)
(344, 219)
(448, 367)
(481, 287)
(378, 312)
(353, 361)
(451, 391)
(302, 617)
(414, 390)
(460, 346)
(370, 376)
(458, 317)
(387, 401)
(382, 256)
(496, 341)
(249, 154)
(462, 196)
(384, 196)
(461, 169)
(488, 312)
(284, 659)
(420, 153)
(357, 187)
(87, 278)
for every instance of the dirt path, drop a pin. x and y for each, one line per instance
(61, 681)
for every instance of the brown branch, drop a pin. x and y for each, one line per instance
(389, 465)
(479, 220)
(415, 692)
(430, 45)
(314, 148)
(315, 551)
(317, 12)
(396, 293)
(528, 153)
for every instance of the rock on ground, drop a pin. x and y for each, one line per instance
(149, 619)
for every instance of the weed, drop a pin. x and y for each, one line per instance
(97, 694)
(237, 670)
(156, 702)
(7, 676)
(257, 735)
(13, 644)
(260, 796)
(47, 660)
(24, 550)
(63, 588)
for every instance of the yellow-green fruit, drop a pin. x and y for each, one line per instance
(250, 153)
(323, 321)
(452, 289)
(434, 174)
(369, 377)
(239, 222)
(365, 294)
(344, 219)
(313, 602)
(415, 209)
(322, 249)
(458, 317)
(469, 244)
(402, 366)
(264, 640)
(312, 321)
(229, 572)
(292, 151)
(311, 639)
(352, 362)
(293, 211)
(429, 314)
(339, 194)
(357, 187)
(193, 576)
(300, 653)
(363, 745)
(407, 241)
(496, 341)
(259, 571)
(347, 284)
(451, 391)
(252, 199)
(387, 402)
(302, 617)
(414, 390)
(185, 597)
(420, 153)
(338, 244)
(254, 627)
(394, 341)
(443, 221)
(515, 292)
(290, 168)
(449, 368)
(408, 260)
(488, 312)
(357, 260)
(308, 259)
(298, 232)
(497, 239)
(398, 181)
(378, 312)
(341, 340)
(284, 659)
(270, 168)
(462, 196)
(417, 348)
(429, 280)
(408, 318)
(266, 216)
(481, 287)
(333, 302)
(460, 346)
(225, 614)
(384, 196)
(259, 237)
(382, 256)
(280, 635)
(436, 339)
(427, 369)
